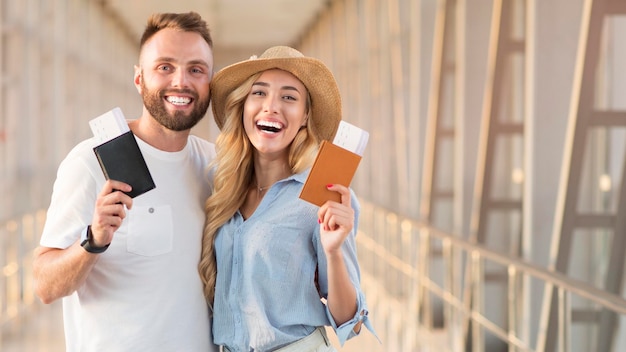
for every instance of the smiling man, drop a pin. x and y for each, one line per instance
(126, 268)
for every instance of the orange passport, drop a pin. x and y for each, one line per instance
(333, 165)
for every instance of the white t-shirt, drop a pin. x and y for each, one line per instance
(144, 293)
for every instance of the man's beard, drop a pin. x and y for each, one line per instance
(154, 103)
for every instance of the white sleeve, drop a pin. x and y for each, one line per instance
(79, 179)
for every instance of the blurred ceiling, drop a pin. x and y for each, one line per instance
(240, 28)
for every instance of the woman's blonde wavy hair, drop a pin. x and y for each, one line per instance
(234, 171)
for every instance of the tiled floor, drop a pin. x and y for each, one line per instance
(39, 329)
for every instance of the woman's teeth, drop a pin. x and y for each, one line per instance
(269, 126)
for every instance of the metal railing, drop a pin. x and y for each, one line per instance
(416, 294)
(415, 280)
(18, 238)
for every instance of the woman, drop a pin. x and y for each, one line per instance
(284, 268)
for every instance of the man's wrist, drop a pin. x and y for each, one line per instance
(87, 242)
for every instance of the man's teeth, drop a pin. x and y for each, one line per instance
(178, 100)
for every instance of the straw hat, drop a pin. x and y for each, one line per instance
(316, 77)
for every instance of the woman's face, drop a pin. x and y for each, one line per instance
(274, 111)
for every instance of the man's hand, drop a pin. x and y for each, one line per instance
(109, 211)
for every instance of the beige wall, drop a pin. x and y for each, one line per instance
(63, 63)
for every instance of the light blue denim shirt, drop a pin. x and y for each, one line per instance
(265, 294)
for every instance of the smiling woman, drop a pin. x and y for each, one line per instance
(274, 112)
(264, 248)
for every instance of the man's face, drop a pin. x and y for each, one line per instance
(173, 78)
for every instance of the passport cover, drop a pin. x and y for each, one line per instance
(120, 159)
(333, 165)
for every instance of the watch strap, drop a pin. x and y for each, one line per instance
(87, 243)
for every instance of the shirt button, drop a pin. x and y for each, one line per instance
(151, 210)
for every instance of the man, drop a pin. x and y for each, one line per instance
(127, 268)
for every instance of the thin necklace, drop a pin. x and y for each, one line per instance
(261, 189)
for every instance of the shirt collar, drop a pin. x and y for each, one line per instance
(301, 177)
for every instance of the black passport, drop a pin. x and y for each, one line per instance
(120, 159)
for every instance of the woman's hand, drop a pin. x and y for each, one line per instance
(336, 219)
(336, 222)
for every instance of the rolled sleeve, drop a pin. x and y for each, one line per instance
(346, 330)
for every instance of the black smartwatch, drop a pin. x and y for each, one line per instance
(87, 244)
